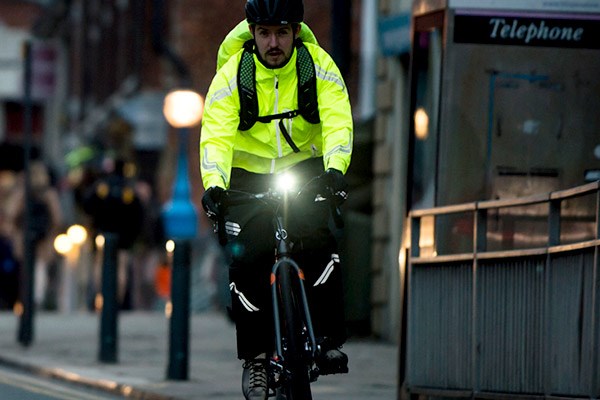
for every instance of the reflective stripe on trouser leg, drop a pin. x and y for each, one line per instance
(325, 293)
(242, 298)
(251, 309)
(335, 259)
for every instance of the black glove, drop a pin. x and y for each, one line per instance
(211, 200)
(337, 185)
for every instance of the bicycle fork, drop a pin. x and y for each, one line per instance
(286, 270)
(277, 320)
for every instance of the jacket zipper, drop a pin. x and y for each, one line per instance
(278, 133)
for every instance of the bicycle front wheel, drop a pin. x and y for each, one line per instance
(296, 386)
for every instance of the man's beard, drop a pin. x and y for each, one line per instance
(273, 66)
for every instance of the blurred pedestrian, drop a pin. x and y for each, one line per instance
(9, 271)
(149, 248)
(115, 207)
(45, 222)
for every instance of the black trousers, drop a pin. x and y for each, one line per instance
(250, 248)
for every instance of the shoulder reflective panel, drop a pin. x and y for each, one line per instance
(307, 85)
(307, 89)
(247, 88)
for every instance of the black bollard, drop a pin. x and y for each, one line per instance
(25, 332)
(180, 305)
(108, 318)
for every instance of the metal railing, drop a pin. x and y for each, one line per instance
(508, 317)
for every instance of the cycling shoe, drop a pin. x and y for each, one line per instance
(333, 361)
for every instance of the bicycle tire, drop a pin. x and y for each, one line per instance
(297, 384)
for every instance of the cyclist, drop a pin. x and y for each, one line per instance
(242, 150)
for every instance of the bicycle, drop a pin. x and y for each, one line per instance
(293, 366)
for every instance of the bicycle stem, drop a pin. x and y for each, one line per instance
(281, 235)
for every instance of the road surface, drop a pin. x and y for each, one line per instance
(20, 386)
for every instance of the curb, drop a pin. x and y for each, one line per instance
(104, 385)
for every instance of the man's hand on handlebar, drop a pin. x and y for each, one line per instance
(337, 185)
(211, 201)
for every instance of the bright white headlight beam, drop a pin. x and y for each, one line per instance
(286, 182)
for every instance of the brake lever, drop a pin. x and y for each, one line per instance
(336, 212)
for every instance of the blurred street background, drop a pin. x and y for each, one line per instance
(475, 174)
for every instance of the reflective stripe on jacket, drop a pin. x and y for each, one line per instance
(263, 149)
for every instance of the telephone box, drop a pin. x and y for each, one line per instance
(505, 100)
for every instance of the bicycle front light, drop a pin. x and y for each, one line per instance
(286, 182)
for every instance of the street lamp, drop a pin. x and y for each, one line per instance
(183, 110)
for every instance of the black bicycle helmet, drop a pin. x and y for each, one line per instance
(274, 12)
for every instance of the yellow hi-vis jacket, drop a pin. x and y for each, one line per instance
(263, 149)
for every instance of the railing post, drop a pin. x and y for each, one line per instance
(481, 219)
(479, 245)
(415, 236)
(554, 222)
(403, 339)
(595, 390)
(598, 214)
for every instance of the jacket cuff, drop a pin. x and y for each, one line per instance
(340, 165)
(214, 181)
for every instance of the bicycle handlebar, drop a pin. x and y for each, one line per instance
(274, 199)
